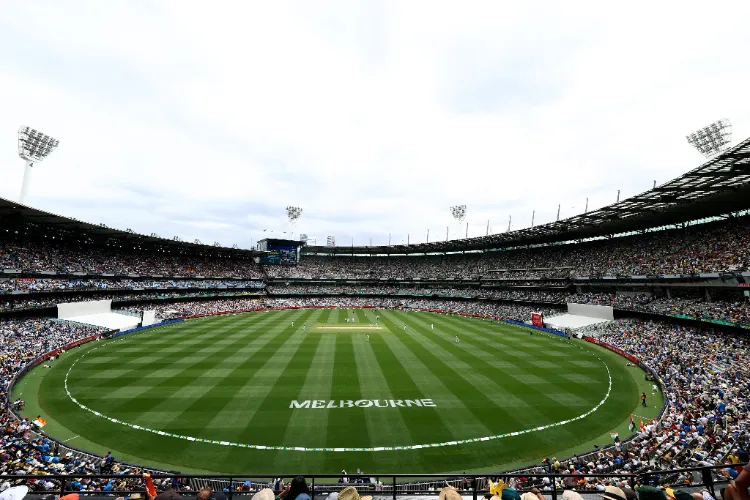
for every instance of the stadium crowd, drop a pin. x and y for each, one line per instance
(716, 309)
(21, 302)
(521, 294)
(59, 284)
(70, 257)
(726, 309)
(705, 373)
(21, 341)
(704, 248)
(516, 312)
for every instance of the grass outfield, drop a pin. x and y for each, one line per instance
(223, 383)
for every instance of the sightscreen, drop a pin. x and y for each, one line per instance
(73, 309)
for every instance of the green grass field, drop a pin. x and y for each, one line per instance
(212, 387)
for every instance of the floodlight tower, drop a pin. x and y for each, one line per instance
(713, 139)
(459, 214)
(33, 147)
(293, 214)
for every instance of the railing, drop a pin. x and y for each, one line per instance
(385, 486)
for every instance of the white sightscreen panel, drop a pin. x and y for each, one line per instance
(601, 312)
(149, 318)
(72, 309)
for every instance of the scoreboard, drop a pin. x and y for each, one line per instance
(279, 252)
(280, 256)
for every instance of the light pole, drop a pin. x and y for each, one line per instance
(713, 139)
(293, 214)
(459, 214)
(33, 147)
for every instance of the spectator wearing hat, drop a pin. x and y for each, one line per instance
(569, 495)
(351, 493)
(264, 494)
(447, 493)
(613, 493)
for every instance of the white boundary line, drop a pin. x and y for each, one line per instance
(302, 448)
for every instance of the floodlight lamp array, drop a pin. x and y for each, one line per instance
(713, 139)
(293, 213)
(458, 212)
(34, 145)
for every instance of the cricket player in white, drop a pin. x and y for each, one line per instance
(456, 339)
(368, 337)
(404, 327)
(432, 327)
(292, 323)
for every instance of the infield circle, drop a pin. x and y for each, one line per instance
(308, 449)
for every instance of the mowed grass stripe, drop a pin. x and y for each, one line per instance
(461, 356)
(260, 408)
(491, 405)
(193, 419)
(154, 391)
(244, 385)
(560, 363)
(411, 427)
(435, 347)
(259, 411)
(306, 425)
(436, 382)
(165, 400)
(535, 359)
(137, 442)
(541, 409)
(565, 393)
(383, 424)
(553, 410)
(105, 375)
(347, 426)
(404, 382)
(187, 333)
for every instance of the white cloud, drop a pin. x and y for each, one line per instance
(375, 117)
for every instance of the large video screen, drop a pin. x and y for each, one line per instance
(280, 256)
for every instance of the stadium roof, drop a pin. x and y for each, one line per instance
(15, 217)
(719, 186)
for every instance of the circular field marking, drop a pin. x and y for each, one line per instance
(307, 449)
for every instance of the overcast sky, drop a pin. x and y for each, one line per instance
(206, 119)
